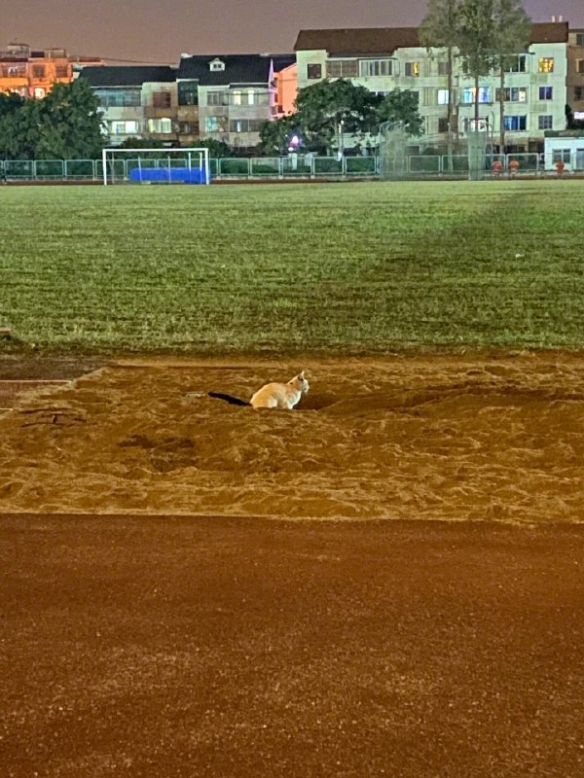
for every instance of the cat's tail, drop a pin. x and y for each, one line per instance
(228, 398)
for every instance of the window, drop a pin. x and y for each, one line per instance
(468, 94)
(545, 92)
(38, 71)
(188, 92)
(216, 65)
(217, 98)
(561, 155)
(412, 69)
(124, 128)
(188, 128)
(442, 124)
(119, 98)
(61, 71)
(545, 122)
(14, 70)
(578, 93)
(161, 99)
(160, 126)
(245, 125)
(580, 65)
(518, 65)
(514, 94)
(236, 97)
(545, 65)
(515, 123)
(342, 68)
(215, 124)
(39, 92)
(580, 39)
(443, 68)
(375, 67)
(314, 71)
(443, 97)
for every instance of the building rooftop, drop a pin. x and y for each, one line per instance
(385, 40)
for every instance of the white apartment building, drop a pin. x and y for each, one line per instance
(383, 59)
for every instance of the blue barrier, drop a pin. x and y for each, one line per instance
(185, 175)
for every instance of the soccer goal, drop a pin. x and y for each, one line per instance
(156, 166)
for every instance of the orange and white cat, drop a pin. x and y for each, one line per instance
(273, 395)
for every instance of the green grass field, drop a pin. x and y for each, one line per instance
(334, 268)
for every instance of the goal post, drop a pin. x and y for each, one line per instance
(188, 165)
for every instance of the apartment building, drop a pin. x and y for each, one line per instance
(32, 73)
(575, 96)
(227, 97)
(138, 101)
(221, 97)
(383, 59)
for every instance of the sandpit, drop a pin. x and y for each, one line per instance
(456, 437)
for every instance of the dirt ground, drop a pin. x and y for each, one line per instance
(437, 437)
(169, 610)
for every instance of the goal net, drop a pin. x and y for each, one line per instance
(392, 151)
(156, 166)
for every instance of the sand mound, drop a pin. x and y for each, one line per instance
(416, 438)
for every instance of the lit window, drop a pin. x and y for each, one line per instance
(545, 65)
(545, 92)
(412, 69)
(124, 128)
(515, 123)
(443, 97)
(545, 122)
(468, 94)
(514, 94)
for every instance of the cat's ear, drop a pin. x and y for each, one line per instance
(301, 375)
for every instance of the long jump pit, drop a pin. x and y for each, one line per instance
(386, 581)
(449, 438)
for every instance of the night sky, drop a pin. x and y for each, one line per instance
(160, 30)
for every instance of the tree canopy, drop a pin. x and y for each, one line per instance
(330, 109)
(66, 124)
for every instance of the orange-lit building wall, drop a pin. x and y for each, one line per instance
(286, 89)
(33, 73)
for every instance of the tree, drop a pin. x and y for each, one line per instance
(440, 30)
(275, 135)
(476, 42)
(401, 105)
(512, 33)
(71, 123)
(329, 109)
(66, 124)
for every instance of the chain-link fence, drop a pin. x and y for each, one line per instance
(396, 160)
